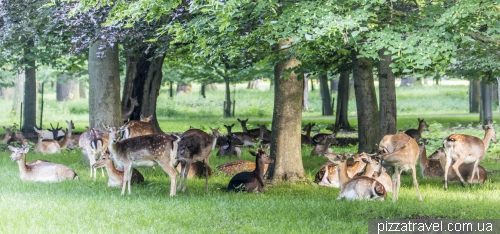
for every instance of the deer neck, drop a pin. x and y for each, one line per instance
(356, 167)
(244, 127)
(325, 148)
(420, 128)
(214, 142)
(487, 138)
(6, 137)
(342, 172)
(259, 168)
(23, 169)
(66, 139)
(369, 170)
(111, 169)
(424, 161)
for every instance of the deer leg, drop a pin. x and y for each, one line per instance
(126, 177)
(395, 184)
(186, 170)
(415, 182)
(455, 168)
(172, 173)
(183, 167)
(475, 171)
(447, 164)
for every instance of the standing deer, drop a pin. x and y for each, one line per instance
(115, 177)
(137, 128)
(246, 138)
(417, 133)
(46, 146)
(251, 181)
(439, 157)
(92, 142)
(6, 137)
(358, 188)
(324, 146)
(254, 132)
(40, 171)
(144, 151)
(128, 110)
(400, 151)
(195, 146)
(466, 149)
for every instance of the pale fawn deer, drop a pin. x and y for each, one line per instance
(251, 181)
(46, 146)
(137, 128)
(115, 177)
(6, 137)
(439, 157)
(93, 142)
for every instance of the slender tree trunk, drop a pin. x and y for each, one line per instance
(341, 119)
(82, 90)
(203, 90)
(228, 106)
(387, 95)
(305, 96)
(474, 95)
(366, 102)
(171, 89)
(18, 94)
(325, 94)
(486, 102)
(104, 87)
(286, 126)
(30, 93)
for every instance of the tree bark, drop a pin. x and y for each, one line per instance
(305, 96)
(286, 125)
(387, 95)
(474, 96)
(143, 80)
(341, 117)
(104, 87)
(18, 97)
(65, 88)
(82, 90)
(30, 93)
(334, 85)
(325, 94)
(228, 106)
(486, 102)
(366, 103)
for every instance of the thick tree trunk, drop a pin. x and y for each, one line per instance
(29, 104)
(325, 94)
(143, 80)
(228, 105)
(486, 102)
(286, 126)
(341, 117)
(104, 87)
(387, 95)
(65, 88)
(474, 96)
(366, 103)
(305, 96)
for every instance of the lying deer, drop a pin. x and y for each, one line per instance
(66, 140)
(46, 146)
(327, 175)
(235, 167)
(254, 132)
(247, 139)
(324, 146)
(417, 133)
(144, 151)
(230, 149)
(40, 171)
(400, 151)
(6, 137)
(466, 149)
(115, 177)
(129, 109)
(138, 128)
(306, 138)
(439, 157)
(251, 181)
(18, 138)
(375, 170)
(357, 188)
(264, 135)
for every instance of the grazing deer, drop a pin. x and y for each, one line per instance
(137, 128)
(40, 171)
(235, 167)
(144, 151)
(324, 146)
(196, 170)
(6, 137)
(195, 146)
(230, 149)
(466, 149)
(400, 151)
(358, 188)
(115, 177)
(417, 133)
(128, 110)
(246, 138)
(92, 142)
(251, 181)
(254, 132)
(46, 146)
(439, 157)
(306, 139)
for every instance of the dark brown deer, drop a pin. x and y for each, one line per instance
(137, 128)
(53, 133)
(246, 138)
(144, 151)
(230, 149)
(324, 147)
(400, 151)
(254, 132)
(439, 157)
(115, 177)
(251, 181)
(40, 171)
(417, 133)
(357, 188)
(235, 167)
(195, 146)
(306, 139)
(129, 109)
(466, 149)
(264, 135)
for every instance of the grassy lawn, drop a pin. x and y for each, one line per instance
(88, 206)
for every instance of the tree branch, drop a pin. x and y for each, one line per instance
(484, 39)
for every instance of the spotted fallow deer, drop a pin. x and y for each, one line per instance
(254, 132)
(40, 171)
(357, 188)
(66, 140)
(137, 128)
(6, 137)
(235, 167)
(417, 133)
(93, 142)
(251, 181)
(439, 157)
(324, 146)
(400, 151)
(195, 146)
(466, 149)
(144, 151)
(115, 177)
(129, 109)
(327, 175)
(375, 170)
(46, 146)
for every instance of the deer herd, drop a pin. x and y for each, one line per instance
(136, 144)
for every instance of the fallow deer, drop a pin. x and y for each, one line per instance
(254, 132)
(115, 177)
(92, 142)
(137, 128)
(235, 167)
(196, 170)
(18, 138)
(66, 140)
(230, 149)
(246, 138)
(264, 135)
(466, 149)
(41, 171)
(358, 188)
(53, 133)
(251, 181)
(439, 157)
(375, 170)
(400, 151)
(46, 146)
(129, 109)
(324, 147)
(417, 133)
(306, 138)
(6, 137)
(429, 168)
(144, 151)
(195, 146)
(327, 175)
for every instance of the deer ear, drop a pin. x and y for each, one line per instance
(253, 153)
(25, 149)
(12, 148)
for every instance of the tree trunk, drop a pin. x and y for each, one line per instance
(366, 103)
(486, 102)
(18, 97)
(325, 94)
(104, 87)
(341, 118)
(30, 93)
(305, 96)
(387, 95)
(203, 90)
(474, 96)
(143, 80)
(228, 106)
(286, 125)
(82, 89)
(171, 89)
(334, 85)
(65, 88)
